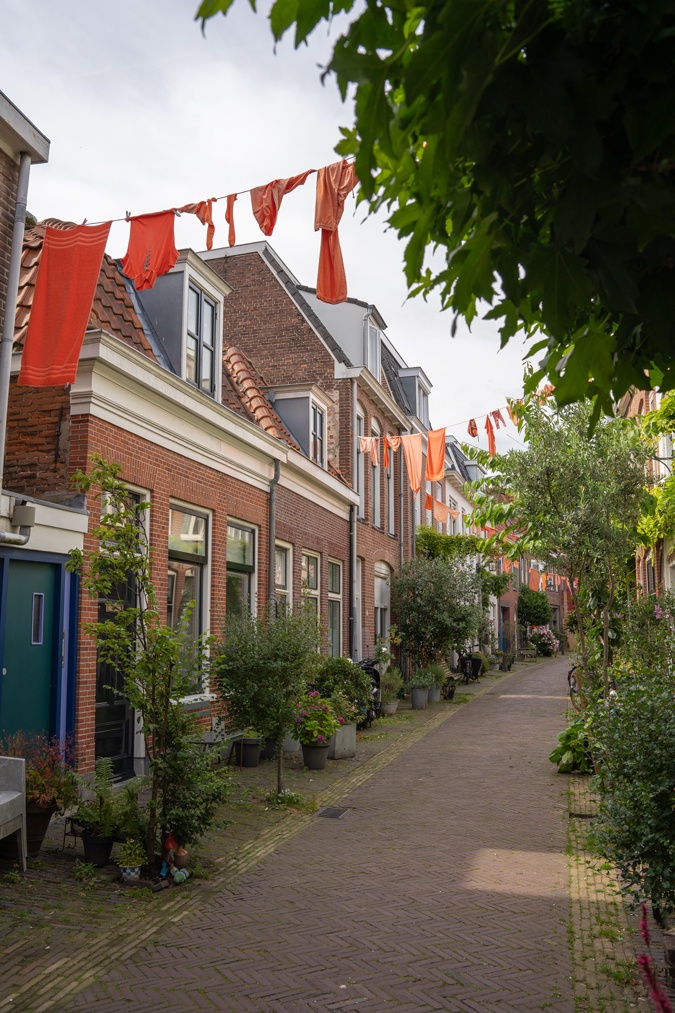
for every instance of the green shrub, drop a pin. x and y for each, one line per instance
(571, 753)
(439, 675)
(423, 678)
(391, 684)
(343, 676)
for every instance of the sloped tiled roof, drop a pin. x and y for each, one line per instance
(247, 383)
(112, 310)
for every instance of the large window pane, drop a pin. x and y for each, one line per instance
(238, 593)
(310, 572)
(187, 532)
(193, 311)
(334, 578)
(240, 546)
(334, 628)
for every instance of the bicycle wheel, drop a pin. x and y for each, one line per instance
(574, 690)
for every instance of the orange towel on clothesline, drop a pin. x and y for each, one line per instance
(152, 250)
(453, 513)
(369, 445)
(70, 264)
(204, 211)
(490, 430)
(473, 428)
(412, 451)
(435, 455)
(266, 200)
(499, 418)
(333, 184)
(229, 218)
(390, 443)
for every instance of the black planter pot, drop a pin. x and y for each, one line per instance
(247, 752)
(268, 750)
(38, 818)
(97, 849)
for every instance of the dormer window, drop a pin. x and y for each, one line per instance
(373, 350)
(200, 341)
(317, 434)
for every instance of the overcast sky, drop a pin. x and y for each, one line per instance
(144, 112)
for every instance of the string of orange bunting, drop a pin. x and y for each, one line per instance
(71, 260)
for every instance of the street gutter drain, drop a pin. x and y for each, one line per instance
(331, 813)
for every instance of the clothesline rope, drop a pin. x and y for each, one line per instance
(237, 193)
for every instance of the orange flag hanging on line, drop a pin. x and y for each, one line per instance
(490, 430)
(266, 200)
(70, 264)
(441, 512)
(473, 428)
(412, 451)
(229, 218)
(333, 184)
(204, 211)
(435, 455)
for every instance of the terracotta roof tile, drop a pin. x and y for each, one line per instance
(112, 310)
(246, 380)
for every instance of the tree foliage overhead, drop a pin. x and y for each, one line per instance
(534, 608)
(533, 141)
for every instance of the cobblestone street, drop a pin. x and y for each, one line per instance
(444, 887)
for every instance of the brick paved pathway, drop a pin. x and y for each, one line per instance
(444, 888)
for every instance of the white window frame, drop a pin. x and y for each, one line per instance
(198, 336)
(391, 497)
(360, 461)
(373, 363)
(205, 624)
(422, 404)
(334, 596)
(286, 594)
(309, 592)
(190, 269)
(376, 478)
(317, 410)
(382, 572)
(253, 576)
(453, 523)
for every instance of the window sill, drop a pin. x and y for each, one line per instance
(197, 701)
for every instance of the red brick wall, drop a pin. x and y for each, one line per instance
(308, 526)
(165, 476)
(38, 434)
(9, 178)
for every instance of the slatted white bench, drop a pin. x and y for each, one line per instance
(13, 802)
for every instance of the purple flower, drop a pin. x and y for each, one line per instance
(314, 693)
(341, 721)
(320, 738)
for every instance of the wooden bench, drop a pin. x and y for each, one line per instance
(13, 802)
(527, 654)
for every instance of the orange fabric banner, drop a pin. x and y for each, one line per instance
(266, 200)
(152, 249)
(506, 565)
(412, 451)
(204, 211)
(333, 184)
(370, 445)
(70, 264)
(393, 443)
(435, 455)
(453, 513)
(499, 418)
(473, 428)
(440, 512)
(490, 430)
(534, 580)
(229, 218)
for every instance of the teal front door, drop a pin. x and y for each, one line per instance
(30, 649)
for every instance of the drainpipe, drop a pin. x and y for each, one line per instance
(23, 518)
(352, 578)
(353, 530)
(272, 535)
(400, 504)
(7, 341)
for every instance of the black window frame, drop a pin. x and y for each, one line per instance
(198, 337)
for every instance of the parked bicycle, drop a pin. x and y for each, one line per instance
(469, 667)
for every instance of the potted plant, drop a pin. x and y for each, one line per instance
(51, 785)
(314, 726)
(391, 683)
(343, 744)
(131, 857)
(247, 749)
(342, 676)
(419, 688)
(439, 677)
(494, 662)
(98, 814)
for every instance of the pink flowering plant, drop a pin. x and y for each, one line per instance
(545, 640)
(316, 721)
